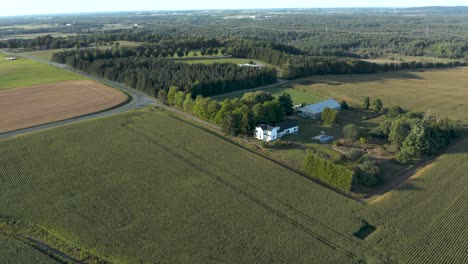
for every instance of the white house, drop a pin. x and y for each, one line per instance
(271, 133)
(314, 111)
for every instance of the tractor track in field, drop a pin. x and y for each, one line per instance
(50, 251)
(344, 237)
(257, 201)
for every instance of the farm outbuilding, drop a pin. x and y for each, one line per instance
(314, 111)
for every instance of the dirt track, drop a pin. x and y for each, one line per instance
(45, 103)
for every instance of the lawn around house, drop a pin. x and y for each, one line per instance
(438, 90)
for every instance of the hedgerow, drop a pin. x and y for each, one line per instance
(327, 172)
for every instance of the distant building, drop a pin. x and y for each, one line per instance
(11, 58)
(314, 111)
(324, 138)
(250, 65)
(272, 133)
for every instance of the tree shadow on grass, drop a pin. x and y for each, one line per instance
(410, 186)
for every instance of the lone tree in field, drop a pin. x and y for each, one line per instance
(329, 116)
(351, 132)
(377, 105)
(365, 103)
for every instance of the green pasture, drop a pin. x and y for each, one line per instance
(24, 72)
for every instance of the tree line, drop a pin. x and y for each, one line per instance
(236, 116)
(151, 75)
(147, 40)
(295, 66)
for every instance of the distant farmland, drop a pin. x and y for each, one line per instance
(24, 72)
(442, 91)
(40, 104)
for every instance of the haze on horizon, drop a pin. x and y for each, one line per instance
(34, 7)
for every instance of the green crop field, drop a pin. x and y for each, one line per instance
(424, 220)
(25, 72)
(13, 251)
(130, 189)
(135, 191)
(442, 91)
(298, 96)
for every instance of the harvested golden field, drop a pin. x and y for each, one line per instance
(443, 91)
(45, 103)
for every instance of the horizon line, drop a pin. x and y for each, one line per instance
(220, 9)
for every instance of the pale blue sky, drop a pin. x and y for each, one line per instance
(24, 7)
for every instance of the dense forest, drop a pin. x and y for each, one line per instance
(294, 62)
(357, 33)
(151, 74)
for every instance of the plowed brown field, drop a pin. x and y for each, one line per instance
(45, 103)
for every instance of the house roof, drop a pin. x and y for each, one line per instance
(287, 124)
(283, 125)
(266, 127)
(320, 106)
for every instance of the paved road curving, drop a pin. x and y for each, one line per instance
(137, 100)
